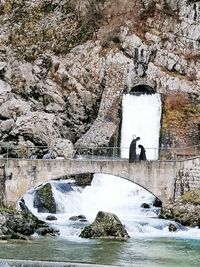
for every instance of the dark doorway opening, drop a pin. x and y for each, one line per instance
(142, 89)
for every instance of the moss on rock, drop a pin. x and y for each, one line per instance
(192, 196)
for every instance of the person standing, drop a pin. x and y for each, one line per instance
(132, 150)
(142, 155)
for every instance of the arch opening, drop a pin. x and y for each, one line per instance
(51, 196)
(142, 89)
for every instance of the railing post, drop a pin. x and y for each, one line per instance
(195, 151)
(7, 148)
(92, 153)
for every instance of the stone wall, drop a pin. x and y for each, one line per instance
(188, 177)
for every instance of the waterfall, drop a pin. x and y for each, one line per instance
(141, 117)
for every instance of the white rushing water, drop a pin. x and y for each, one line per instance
(110, 194)
(141, 117)
(107, 193)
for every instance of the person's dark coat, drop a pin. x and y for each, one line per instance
(132, 150)
(142, 155)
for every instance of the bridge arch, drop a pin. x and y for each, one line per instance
(150, 175)
(117, 177)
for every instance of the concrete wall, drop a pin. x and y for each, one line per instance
(161, 178)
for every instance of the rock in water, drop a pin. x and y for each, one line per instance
(172, 227)
(105, 225)
(51, 218)
(145, 206)
(44, 200)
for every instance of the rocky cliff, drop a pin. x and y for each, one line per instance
(64, 66)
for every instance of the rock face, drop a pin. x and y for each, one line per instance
(106, 225)
(66, 82)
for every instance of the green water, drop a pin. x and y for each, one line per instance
(140, 252)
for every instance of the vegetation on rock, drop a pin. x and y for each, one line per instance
(36, 29)
(192, 196)
(180, 122)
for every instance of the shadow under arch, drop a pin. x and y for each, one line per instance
(142, 89)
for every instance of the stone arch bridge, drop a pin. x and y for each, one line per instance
(165, 179)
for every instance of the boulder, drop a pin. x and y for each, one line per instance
(14, 108)
(172, 227)
(51, 218)
(106, 225)
(63, 148)
(44, 200)
(18, 225)
(44, 231)
(80, 218)
(157, 203)
(36, 126)
(6, 125)
(145, 206)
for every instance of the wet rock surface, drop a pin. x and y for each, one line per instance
(44, 200)
(21, 225)
(105, 225)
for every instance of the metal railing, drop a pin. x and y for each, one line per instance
(116, 153)
(96, 153)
